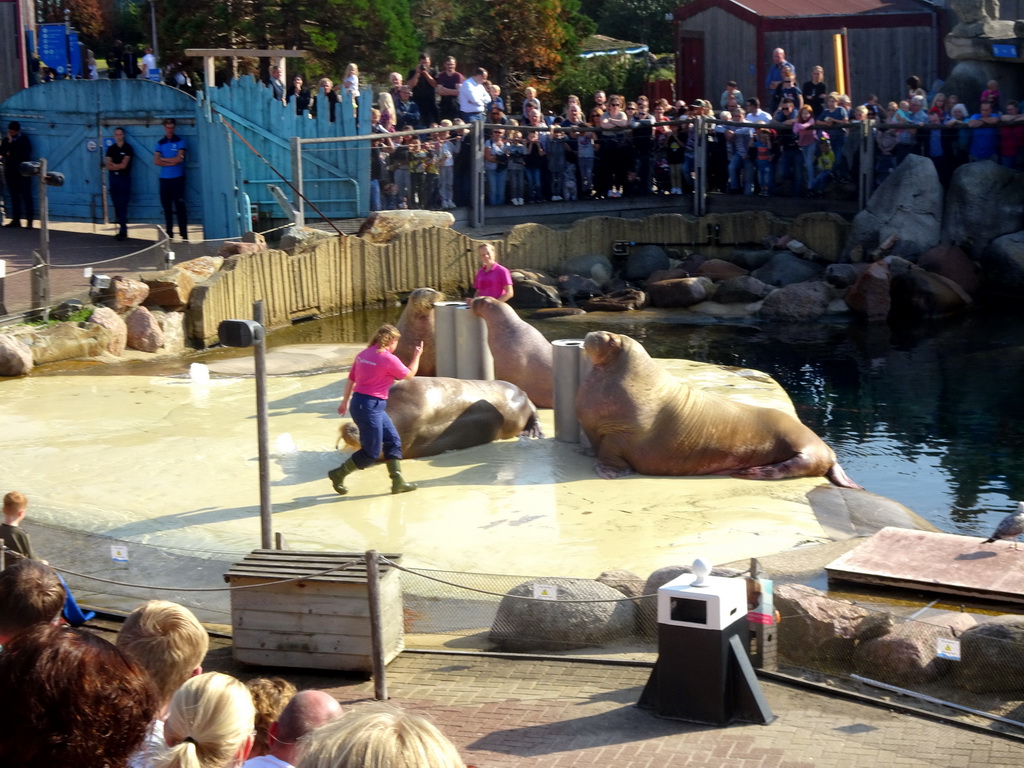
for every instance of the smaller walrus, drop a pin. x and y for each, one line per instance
(638, 417)
(521, 353)
(416, 324)
(439, 414)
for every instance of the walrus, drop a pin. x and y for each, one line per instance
(416, 324)
(439, 414)
(640, 418)
(521, 353)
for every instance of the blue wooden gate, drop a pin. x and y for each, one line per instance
(68, 121)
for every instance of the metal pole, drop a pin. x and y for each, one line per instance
(41, 273)
(866, 172)
(263, 431)
(476, 205)
(152, 18)
(380, 683)
(300, 214)
(700, 158)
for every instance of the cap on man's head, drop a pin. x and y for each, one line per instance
(170, 121)
(14, 125)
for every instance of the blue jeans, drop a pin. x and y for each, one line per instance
(474, 117)
(789, 166)
(808, 152)
(736, 162)
(374, 194)
(495, 186)
(533, 194)
(375, 429)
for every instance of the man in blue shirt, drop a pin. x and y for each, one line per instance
(169, 157)
(984, 137)
(774, 77)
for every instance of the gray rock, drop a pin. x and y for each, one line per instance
(800, 301)
(303, 238)
(785, 269)
(113, 322)
(751, 259)
(625, 300)
(644, 260)
(1002, 264)
(843, 275)
(719, 269)
(15, 356)
(531, 294)
(525, 626)
(846, 514)
(908, 203)
(741, 290)
(682, 292)
(814, 627)
(985, 201)
(667, 274)
(585, 265)
(574, 287)
(626, 582)
(992, 656)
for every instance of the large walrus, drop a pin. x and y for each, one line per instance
(438, 414)
(521, 353)
(416, 324)
(639, 417)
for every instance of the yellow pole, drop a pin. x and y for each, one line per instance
(840, 60)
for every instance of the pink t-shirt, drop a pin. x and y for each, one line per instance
(374, 371)
(492, 282)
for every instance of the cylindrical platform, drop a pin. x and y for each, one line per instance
(445, 336)
(571, 366)
(473, 359)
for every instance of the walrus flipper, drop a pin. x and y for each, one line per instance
(532, 428)
(608, 472)
(837, 476)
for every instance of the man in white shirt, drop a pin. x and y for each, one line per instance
(473, 97)
(150, 70)
(306, 711)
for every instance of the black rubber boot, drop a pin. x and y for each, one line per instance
(337, 476)
(398, 485)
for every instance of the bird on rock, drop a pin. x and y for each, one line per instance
(1010, 527)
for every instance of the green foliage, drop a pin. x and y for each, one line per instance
(639, 21)
(611, 74)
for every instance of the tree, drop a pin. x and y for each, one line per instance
(639, 21)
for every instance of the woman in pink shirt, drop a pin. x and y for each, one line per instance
(373, 372)
(492, 279)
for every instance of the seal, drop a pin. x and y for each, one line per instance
(640, 418)
(416, 324)
(521, 353)
(439, 414)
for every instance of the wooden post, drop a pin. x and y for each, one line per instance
(3, 278)
(300, 211)
(764, 652)
(380, 683)
(263, 431)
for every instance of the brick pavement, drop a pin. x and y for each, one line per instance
(524, 713)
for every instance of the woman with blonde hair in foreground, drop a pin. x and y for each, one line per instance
(379, 737)
(210, 724)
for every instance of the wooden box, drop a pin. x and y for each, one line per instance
(319, 621)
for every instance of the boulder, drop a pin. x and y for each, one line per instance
(644, 260)
(113, 322)
(909, 202)
(15, 356)
(1003, 264)
(625, 300)
(918, 293)
(682, 292)
(741, 290)
(549, 312)
(235, 247)
(751, 259)
(907, 654)
(870, 296)
(533, 274)
(306, 238)
(385, 226)
(170, 288)
(626, 582)
(992, 656)
(951, 262)
(843, 275)
(691, 262)
(67, 341)
(254, 237)
(719, 269)
(531, 294)
(985, 201)
(123, 295)
(144, 332)
(785, 269)
(667, 274)
(574, 287)
(586, 265)
(173, 326)
(201, 268)
(800, 301)
(814, 627)
(528, 625)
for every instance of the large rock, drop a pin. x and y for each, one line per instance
(68, 341)
(235, 247)
(683, 292)
(1003, 264)
(144, 332)
(526, 626)
(109, 319)
(201, 268)
(644, 260)
(907, 655)
(531, 294)
(625, 300)
(15, 356)
(741, 290)
(576, 287)
(985, 201)
(797, 302)
(667, 274)
(843, 275)
(626, 582)
(306, 238)
(170, 288)
(751, 259)
(124, 294)
(719, 269)
(595, 266)
(172, 324)
(814, 627)
(918, 293)
(870, 295)
(908, 203)
(785, 269)
(385, 226)
(950, 261)
(992, 656)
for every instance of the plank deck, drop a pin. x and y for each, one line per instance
(936, 562)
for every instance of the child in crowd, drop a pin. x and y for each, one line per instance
(534, 162)
(586, 151)
(433, 170)
(516, 166)
(556, 161)
(991, 93)
(731, 91)
(446, 164)
(823, 166)
(530, 100)
(418, 159)
(401, 174)
(496, 100)
(764, 151)
(675, 154)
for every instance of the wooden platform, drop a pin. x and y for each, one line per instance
(936, 562)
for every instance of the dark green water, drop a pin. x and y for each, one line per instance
(931, 415)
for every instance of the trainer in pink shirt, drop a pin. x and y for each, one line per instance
(374, 371)
(492, 279)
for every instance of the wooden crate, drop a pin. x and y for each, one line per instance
(319, 622)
